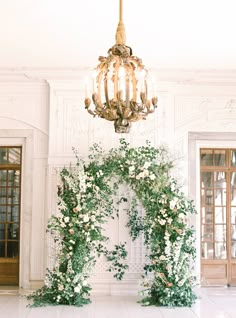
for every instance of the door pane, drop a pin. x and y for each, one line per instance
(207, 179)
(233, 249)
(206, 157)
(3, 196)
(13, 231)
(207, 232)
(207, 197)
(220, 215)
(2, 214)
(13, 195)
(3, 155)
(14, 156)
(2, 249)
(207, 215)
(220, 179)
(233, 197)
(11, 177)
(207, 250)
(233, 179)
(220, 197)
(233, 215)
(233, 158)
(219, 157)
(3, 178)
(2, 231)
(13, 213)
(220, 250)
(12, 249)
(220, 232)
(16, 181)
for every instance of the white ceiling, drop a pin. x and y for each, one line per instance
(73, 33)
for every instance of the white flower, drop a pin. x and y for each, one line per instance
(181, 215)
(131, 169)
(60, 287)
(146, 165)
(162, 258)
(173, 203)
(145, 173)
(162, 222)
(93, 218)
(152, 177)
(72, 242)
(63, 224)
(85, 283)
(66, 219)
(86, 218)
(77, 289)
(68, 280)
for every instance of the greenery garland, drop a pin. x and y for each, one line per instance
(86, 202)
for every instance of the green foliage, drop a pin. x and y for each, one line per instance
(85, 202)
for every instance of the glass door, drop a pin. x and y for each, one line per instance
(218, 216)
(10, 190)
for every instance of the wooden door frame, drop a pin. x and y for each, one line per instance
(197, 140)
(24, 139)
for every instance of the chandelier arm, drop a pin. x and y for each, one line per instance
(127, 88)
(106, 92)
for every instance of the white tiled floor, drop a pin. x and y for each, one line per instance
(213, 303)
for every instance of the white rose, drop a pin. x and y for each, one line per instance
(131, 169)
(145, 173)
(66, 219)
(77, 289)
(146, 165)
(173, 203)
(152, 177)
(181, 215)
(85, 283)
(162, 222)
(86, 218)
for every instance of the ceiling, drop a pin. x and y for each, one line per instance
(181, 34)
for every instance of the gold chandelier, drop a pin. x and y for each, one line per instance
(121, 90)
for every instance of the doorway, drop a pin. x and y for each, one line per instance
(10, 197)
(218, 216)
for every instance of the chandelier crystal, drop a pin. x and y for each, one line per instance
(121, 89)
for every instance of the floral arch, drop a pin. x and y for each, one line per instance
(86, 202)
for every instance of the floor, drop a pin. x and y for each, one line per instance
(213, 303)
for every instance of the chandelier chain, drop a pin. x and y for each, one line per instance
(120, 32)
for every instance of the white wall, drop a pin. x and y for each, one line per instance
(24, 121)
(54, 114)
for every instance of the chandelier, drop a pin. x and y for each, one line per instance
(121, 89)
